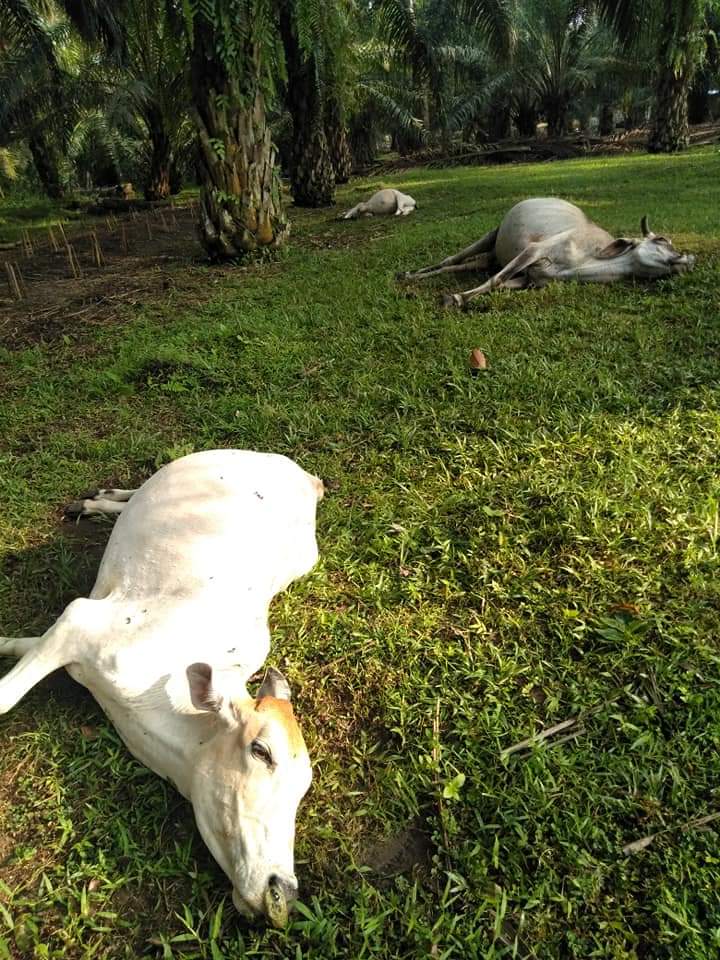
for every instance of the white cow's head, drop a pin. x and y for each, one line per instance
(246, 788)
(652, 257)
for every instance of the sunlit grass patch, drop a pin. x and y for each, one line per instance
(499, 554)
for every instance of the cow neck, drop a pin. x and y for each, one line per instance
(168, 737)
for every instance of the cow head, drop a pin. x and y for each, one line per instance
(247, 784)
(652, 257)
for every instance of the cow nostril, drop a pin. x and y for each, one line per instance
(283, 886)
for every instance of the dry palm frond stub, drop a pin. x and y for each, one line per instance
(699, 823)
(572, 724)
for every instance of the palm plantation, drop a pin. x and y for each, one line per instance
(505, 662)
(344, 75)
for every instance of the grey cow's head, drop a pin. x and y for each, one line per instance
(651, 257)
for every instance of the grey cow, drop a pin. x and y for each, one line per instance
(546, 239)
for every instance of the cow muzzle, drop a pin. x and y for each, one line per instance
(280, 893)
(279, 897)
(684, 263)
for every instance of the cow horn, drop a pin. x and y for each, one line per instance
(644, 226)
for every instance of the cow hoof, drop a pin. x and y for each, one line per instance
(453, 300)
(74, 510)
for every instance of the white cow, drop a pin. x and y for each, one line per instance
(548, 239)
(173, 628)
(383, 203)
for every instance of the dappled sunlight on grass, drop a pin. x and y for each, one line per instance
(499, 554)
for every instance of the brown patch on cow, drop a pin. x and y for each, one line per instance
(282, 711)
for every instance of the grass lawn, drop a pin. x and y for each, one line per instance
(498, 554)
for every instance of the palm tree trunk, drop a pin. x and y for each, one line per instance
(240, 199)
(158, 185)
(363, 139)
(312, 177)
(670, 131)
(556, 114)
(500, 119)
(699, 98)
(337, 137)
(47, 164)
(678, 56)
(606, 120)
(525, 118)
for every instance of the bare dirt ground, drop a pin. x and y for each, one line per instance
(142, 254)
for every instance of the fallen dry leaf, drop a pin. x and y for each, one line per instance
(478, 361)
(637, 845)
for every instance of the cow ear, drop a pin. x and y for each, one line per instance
(203, 694)
(274, 685)
(616, 248)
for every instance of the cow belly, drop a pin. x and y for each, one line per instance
(243, 520)
(532, 221)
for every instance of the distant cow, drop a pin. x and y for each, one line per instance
(548, 239)
(383, 203)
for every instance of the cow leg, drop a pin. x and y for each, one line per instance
(480, 263)
(105, 501)
(57, 647)
(39, 657)
(33, 667)
(112, 493)
(508, 277)
(485, 245)
(356, 211)
(17, 646)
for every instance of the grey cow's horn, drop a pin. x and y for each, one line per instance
(644, 226)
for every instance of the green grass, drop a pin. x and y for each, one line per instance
(478, 538)
(19, 213)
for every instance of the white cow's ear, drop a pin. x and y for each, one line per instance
(202, 693)
(616, 248)
(274, 685)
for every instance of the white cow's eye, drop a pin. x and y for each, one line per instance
(261, 752)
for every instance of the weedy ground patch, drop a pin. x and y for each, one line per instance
(499, 554)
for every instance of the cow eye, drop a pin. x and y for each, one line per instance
(261, 752)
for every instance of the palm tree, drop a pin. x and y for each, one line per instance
(312, 174)
(336, 131)
(561, 52)
(234, 58)
(430, 65)
(151, 84)
(33, 89)
(681, 49)
(679, 28)
(708, 74)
